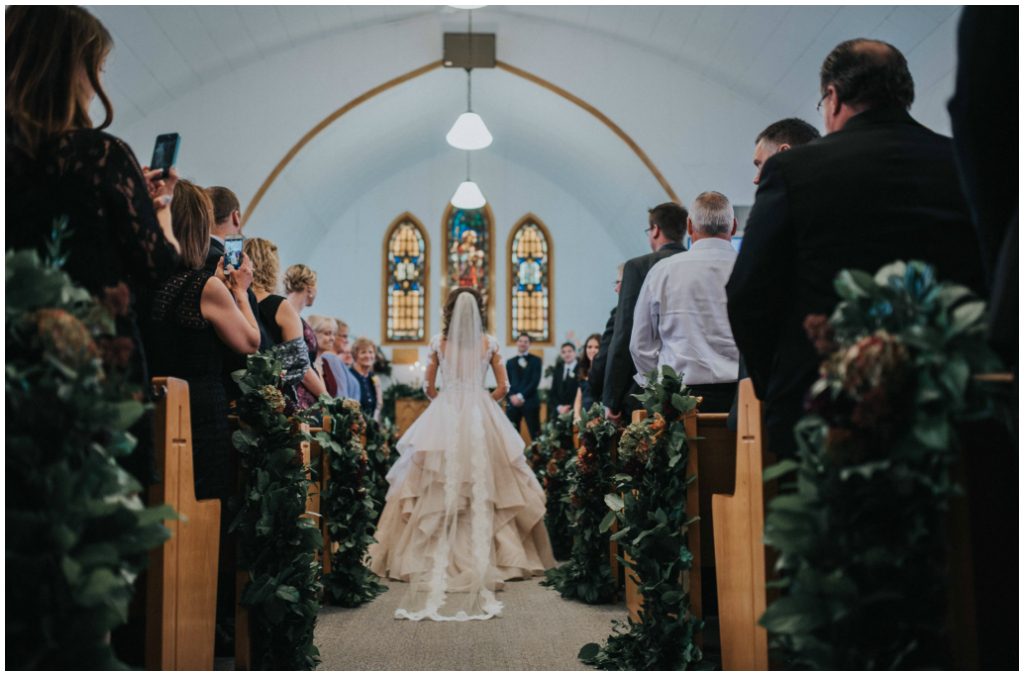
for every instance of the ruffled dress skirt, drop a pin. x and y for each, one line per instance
(464, 512)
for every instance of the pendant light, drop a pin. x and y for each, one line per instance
(469, 131)
(468, 195)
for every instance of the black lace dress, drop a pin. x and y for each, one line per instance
(184, 345)
(114, 245)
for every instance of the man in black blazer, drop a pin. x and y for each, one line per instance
(524, 371)
(597, 369)
(880, 187)
(565, 380)
(228, 221)
(666, 226)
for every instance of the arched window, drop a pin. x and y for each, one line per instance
(469, 250)
(530, 277)
(406, 281)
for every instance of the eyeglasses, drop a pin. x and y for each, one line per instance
(822, 100)
(648, 229)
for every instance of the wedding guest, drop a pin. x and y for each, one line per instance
(371, 398)
(280, 318)
(300, 290)
(681, 320)
(666, 226)
(118, 242)
(779, 137)
(807, 223)
(227, 215)
(343, 349)
(565, 381)
(597, 368)
(776, 138)
(584, 398)
(196, 313)
(524, 372)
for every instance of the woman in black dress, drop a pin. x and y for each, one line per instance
(292, 344)
(195, 312)
(117, 243)
(584, 397)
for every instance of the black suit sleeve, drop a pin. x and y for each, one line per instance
(757, 289)
(619, 367)
(597, 369)
(532, 380)
(513, 377)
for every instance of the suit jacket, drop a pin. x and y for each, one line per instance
(618, 377)
(883, 188)
(597, 369)
(563, 390)
(524, 380)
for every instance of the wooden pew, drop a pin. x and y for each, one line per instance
(181, 583)
(739, 545)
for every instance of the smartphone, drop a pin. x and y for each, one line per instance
(165, 152)
(233, 251)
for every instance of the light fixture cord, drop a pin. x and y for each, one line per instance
(468, 154)
(469, 66)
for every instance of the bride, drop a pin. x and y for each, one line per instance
(464, 513)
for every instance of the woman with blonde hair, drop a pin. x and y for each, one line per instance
(195, 313)
(371, 399)
(281, 321)
(300, 291)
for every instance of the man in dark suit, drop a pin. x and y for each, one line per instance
(597, 369)
(666, 226)
(878, 188)
(524, 371)
(565, 380)
(227, 218)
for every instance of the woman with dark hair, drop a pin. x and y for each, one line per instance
(464, 512)
(116, 240)
(584, 397)
(195, 312)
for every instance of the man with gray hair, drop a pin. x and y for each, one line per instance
(681, 318)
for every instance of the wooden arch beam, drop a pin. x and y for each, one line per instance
(423, 70)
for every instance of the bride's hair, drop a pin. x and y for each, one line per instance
(449, 307)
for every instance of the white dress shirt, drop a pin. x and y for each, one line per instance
(680, 317)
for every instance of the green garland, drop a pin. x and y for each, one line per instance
(348, 506)
(861, 535)
(279, 545)
(77, 533)
(380, 457)
(587, 575)
(548, 456)
(650, 507)
(398, 391)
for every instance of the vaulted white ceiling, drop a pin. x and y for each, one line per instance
(691, 85)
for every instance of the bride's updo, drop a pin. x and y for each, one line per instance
(449, 307)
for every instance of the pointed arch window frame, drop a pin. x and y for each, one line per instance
(530, 218)
(446, 247)
(405, 217)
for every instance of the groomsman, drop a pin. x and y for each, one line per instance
(524, 371)
(565, 380)
(666, 225)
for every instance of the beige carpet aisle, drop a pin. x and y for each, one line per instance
(537, 631)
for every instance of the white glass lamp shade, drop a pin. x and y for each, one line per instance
(469, 133)
(468, 196)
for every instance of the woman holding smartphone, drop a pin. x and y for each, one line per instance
(117, 242)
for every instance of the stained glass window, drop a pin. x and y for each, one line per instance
(405, 281)
(529, 299)
(467, 242)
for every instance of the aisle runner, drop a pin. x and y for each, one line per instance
(369, 637)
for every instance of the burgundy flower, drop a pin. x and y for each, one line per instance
(820, 333)
(117, 299)
(116, 352)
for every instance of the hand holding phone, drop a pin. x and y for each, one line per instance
(233, 251)
(165, 152)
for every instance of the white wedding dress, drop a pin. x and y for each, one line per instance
(464, 512)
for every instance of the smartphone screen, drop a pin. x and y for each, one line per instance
(165, 152)
(233, 251)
